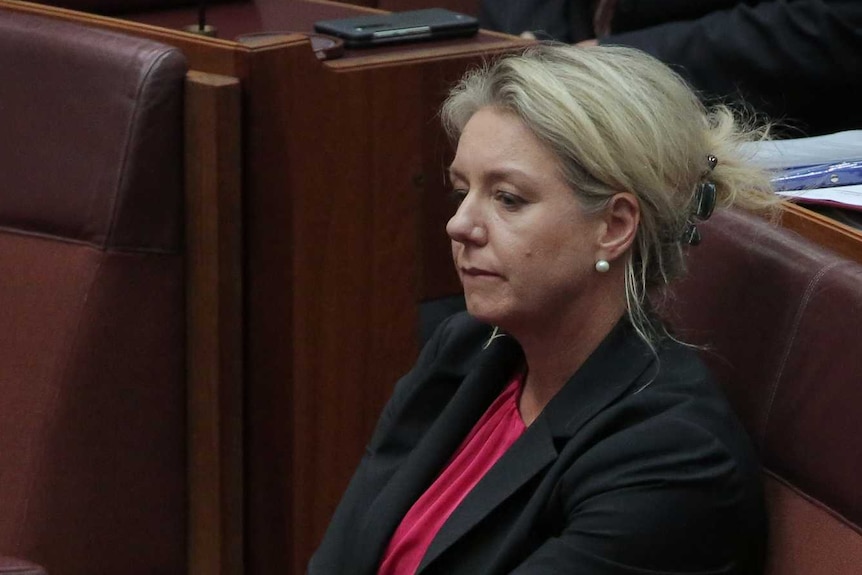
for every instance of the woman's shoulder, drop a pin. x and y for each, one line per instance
(683, 388)
(673, 408)
(683, 410)
(673, 458)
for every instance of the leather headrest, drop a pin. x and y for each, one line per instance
(92, 134)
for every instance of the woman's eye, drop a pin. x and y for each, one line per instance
(509, 201)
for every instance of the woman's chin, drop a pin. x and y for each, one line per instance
(492, 315)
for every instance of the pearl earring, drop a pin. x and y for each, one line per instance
(602, 266)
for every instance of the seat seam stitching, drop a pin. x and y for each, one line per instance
(797, 320)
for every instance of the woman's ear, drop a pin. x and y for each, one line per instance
(621, 218)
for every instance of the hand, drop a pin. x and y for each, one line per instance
(590, 42)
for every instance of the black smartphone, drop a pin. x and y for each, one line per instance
(413, 25)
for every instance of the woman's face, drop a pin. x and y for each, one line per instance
(522, 245)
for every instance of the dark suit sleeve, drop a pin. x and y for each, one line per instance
(562, 20)
(796, 59)
(515, 16)
(664, 497)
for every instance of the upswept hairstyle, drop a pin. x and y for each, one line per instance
(618, 120)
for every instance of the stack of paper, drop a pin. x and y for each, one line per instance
(820, 170)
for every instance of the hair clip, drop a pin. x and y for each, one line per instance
(703, 205)
(711, 161)
(705, 194)
(691, 236)
(704, 200)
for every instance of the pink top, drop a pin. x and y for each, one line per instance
(494, 433)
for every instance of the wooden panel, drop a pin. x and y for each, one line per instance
(214, 307)
(271, 337)
(356, 274)
(838, 237)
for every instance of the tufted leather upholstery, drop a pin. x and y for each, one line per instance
(780, 319)
(92, 421)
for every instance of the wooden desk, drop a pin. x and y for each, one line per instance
(838, 237)
(343, 162)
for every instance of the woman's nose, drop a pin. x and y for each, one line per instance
(466, 225)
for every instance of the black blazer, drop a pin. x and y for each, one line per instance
(636, 466)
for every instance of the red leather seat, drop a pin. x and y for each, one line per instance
(780, 321)
(92, 360)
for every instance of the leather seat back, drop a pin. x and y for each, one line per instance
(92, 359)
(779, 319)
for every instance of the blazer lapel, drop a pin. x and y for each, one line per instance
(610, 372)
(469, 401)
(532, 453)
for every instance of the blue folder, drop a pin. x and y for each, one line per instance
(818, 176)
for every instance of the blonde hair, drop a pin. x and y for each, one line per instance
(619, 120)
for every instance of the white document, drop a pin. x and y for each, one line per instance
(782, 154)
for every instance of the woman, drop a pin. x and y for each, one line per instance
(556, 427)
